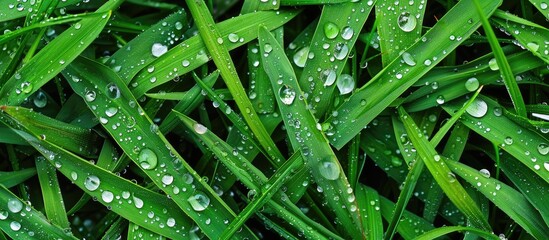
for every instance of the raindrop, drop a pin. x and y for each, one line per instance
(406, 22)
(340, 51)
(451, 177)
(92, 182)
(543, 149)
(408, 59)
(185, 63)
(26, 87)
(40, 99)
(493, 64)
(427, 62)
(532, 46)
(111, 111)
(546, 165)
(107, 196)
(484, 172)
(233, 37)
(167, 179)
(199, 201)
(345, 84)
(436, 158)
(178, 25)
(472, 84)
(300, 57)
(478, 108)
(147, 159)
(77, 25)
(14, 205)
(137, 202)
(328, 169)
(90, 96)
(498, 111)
(440, 99)
(331, 30)
(3, 215)
(508, 140)
(158, 49)
(286, 94)
(267, 48)
(74, 176)
(170, 222)
(347, 33)
(112, 91)
(15, 226)
(328, 76)
(543, 5)
(199, 128)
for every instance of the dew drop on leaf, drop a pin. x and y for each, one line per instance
(543, 149)
(347, 33)
(328, 169)
(158, 49)
(199, 128)
(484, 172)
(112, 91)
(345, 84)
(328, 76)
(406, 22)
(107, 196)
(40, 99)
(92, 182)
(408, 59)
(15, 226)
(286, 94)
(331, 30)
(472, 84)
(14, 205)
(300, 57)
(147, 159)
(478, 108)
(199, 201)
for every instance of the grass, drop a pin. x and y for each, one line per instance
(291, 119)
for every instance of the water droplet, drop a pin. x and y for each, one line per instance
(543, 5)
(111, 111)
(167, 179)
(220, 40)
(340, 51)
(408, 59)
(508, 140)
(484, 172)
(478, 108)
(3, 214)
(15, 226)
(472, 84)
(158, 49)
(498, 111)
(493, 64)
(328, 169)
(14, 205)
(74, 176)
(185, 63)
(90, 96)
(233, 37)
(347, 33)
(286, 94)
(92, 182)
(532, 46)
(406, 22)
(147, 159)
(543, 149)
(267, 48)
(26, 87)
(112, 91)
(451, 177)
(345, 84)
(300, 57)
(107, 196)
(77, 25)
(440, 99)
(328, 76)
(199, 201)
(170, 222)
(199, 128)
(436, 158)
(331, 30)
(40, 99)
(178, 25)
(138, 202)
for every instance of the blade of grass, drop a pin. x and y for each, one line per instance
(440, 232)
(436, 165)
(304, 135)
(51, 192)
(368, 203)
(14, 178)
(368, 102)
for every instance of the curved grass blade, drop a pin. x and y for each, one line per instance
(368, 102)
(194, 54)
(54, 57)
(304, 135)
(20, 9)
(440, 232)
(330, 46)
(502, 63)
(14, 178)
(368, 203)
(488, 114)
(442, 174)
(117, 109)
(507, 199)
(21, 221)
(54, 205)
(411, 225)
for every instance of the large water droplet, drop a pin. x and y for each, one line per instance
(478, 108)
(331, 30)
(347, 33)
(534, 47)
(493, 64)
(328, 169)
(111, 111)
(340, 51)
(345, 84)
(158, 49)
(199, 201)
(40, 99)
(107, 196)
(286, 94)
(170, 222)
(328, 76)
(408, 59)
(199, 128)
(138, 202)
(3, 214)
(508, 140)
(300, 57)
(112, 91)
(147, 159)
(26, 87)
(15, 226)
(543, 149)
(406, 22)
(546, 165)
(14, 205)
(90, 96)
(92, 182)
(167, 179)
(472, 84)
(233, 37)
(484, 172)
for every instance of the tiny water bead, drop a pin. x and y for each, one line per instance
(546, 165)
(331, 30)
(112, 91)
(345, 84)
(406, 22)
(329, 169)
(472, 84)
(199, 128)
(92, 182)
(478, 108)
(286, 94)
(300, 57)
(484, 172)
(158, 49)
(147, 159)
(14, 205)
(170, 222)
(441, 100)
(408, 59)
(199, 201)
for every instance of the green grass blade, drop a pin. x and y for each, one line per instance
(368, 102)
(502, 63)
(442, 174)
(411, 225)
(21, 221)
(51, 192)
(440, 232)
(333, 40)
(114, 105)
(541, 5)
(304, 135)
(20, 9)
(368, 203)
(509, 200)
(310, 2)
(54, 57)
(14, 178)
